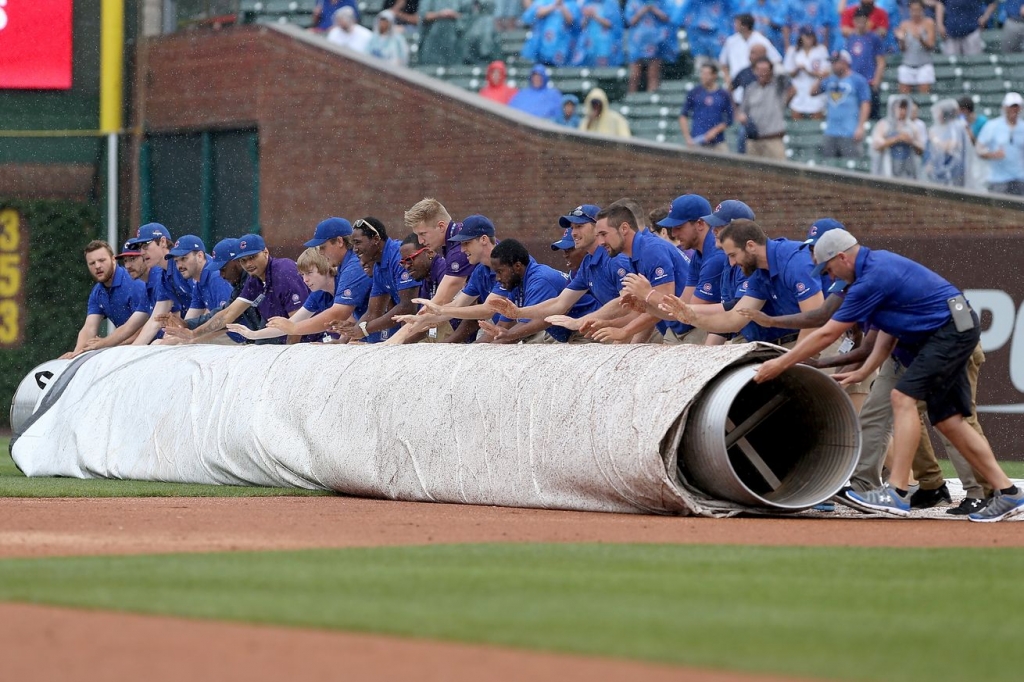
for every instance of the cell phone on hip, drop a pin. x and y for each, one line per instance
(961, 313)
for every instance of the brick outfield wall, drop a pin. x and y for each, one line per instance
(343, 135)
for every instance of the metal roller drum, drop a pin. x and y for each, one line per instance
(787, 444)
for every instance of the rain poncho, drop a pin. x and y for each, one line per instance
(899, 160)
(544, 102)
(551, 36)
(707, 22)
(595, 44)
(478, 41)
(440, 38)
(949, 158)
(574, 120)
(390, 46)
(608, 123)
(503, 92)
(650, 37)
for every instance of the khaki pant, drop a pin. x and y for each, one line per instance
(694, 337)
(773, 148)
(438, 335)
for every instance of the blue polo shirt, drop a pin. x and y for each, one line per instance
(211, 291)
(389, 277)
(601, 275)
(481, 282)
(897, 295)
(789, 279)
(318, 301)
(351, 285)
(706, 109)
(122, 299)
(153, 284)
(173, 287)
(540, 283)
(705, 275)
(660, 262)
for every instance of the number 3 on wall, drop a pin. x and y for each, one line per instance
(9, 223)
(9, 323)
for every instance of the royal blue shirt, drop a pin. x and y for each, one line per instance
(601, 275)
(318, 301)
(660, 262)
(154, 283)
(351, 285)
(173, 287)
(280, 293)
(902, 298)
(481, 283)
(389, 277)
(962, 16)
(706, 109)
(211, 291)
(706, 266)
(540, 283)
(843, 97)
(789, 279)
(122, 299)
(864, 49)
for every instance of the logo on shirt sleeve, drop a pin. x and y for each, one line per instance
(295, 298)
(621, 273)
(347, 293)
(405, 277)
(800, 287)
(455, 267)
(707, 287)
(659, 273)
(744, 285)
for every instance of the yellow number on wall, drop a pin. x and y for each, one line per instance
(10, 230)
(10, 274)
(8, 322)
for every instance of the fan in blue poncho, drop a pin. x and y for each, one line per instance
(553, 24)
(539, 99)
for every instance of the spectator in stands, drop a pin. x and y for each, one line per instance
(877, 18)
(599, 118)
(707, 24)
(477, 38)
(763, 112)
(387, 43)
(847, 105)
(865, 47)
(553, 23)
(707, 112)
(506, 14)
(820, 15)
(1001, 143)
(570, 117)
(652, 41)
(973, 120)
(741, 81)
(769, 18)
(806, 63)
(323, 13)
(347, 32)
(896, 143)
(439, 27)
(916, 36)
(497, 87)
(1013, 27)
(735, 54)
(539, 99)
(948, 159)
(960, 23)
(599, 42)
(406, 12)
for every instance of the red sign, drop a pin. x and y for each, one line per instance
(35, 44)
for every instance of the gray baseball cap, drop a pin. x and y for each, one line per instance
(830, 245)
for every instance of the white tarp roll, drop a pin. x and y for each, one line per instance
(583, 427)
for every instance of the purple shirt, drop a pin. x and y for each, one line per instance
(428, 287)
(281, 293)
(456, 263)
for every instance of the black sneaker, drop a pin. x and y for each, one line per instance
(970, 505)
(926, 499)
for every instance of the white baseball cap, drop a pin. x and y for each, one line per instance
(831, 244)
(1013, 99)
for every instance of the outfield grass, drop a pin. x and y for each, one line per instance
(14, 484)
(832, 613)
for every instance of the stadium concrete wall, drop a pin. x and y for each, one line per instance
(340, 134)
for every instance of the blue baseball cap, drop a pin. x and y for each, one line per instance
(472, 227)
(820, 227)
(250, 245)
(684, 209)
(149, 232)
(186, 245)
(329, 229)
(728, 211)
(225, 252)
(585, 213)
(565, 243)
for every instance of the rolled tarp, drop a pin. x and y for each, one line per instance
(582, 427)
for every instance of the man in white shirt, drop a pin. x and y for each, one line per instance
(347, 32)
(735, 54)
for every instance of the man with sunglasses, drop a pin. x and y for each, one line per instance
(392, 289)
(427, 268)
(274, 288)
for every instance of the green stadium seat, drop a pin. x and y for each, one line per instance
(647, 111)
(675, 87)
(805, 127)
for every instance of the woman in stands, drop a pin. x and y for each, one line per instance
(806, 63)
(599, 42)
(387, 43)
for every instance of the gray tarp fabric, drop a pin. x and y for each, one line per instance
(584, 427)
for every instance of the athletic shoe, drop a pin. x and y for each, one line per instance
(1001, 507)
(885, 500)
(969, 505)
(926, 499)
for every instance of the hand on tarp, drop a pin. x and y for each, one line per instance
(677, 308)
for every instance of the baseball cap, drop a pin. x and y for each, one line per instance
(149, 232)
(565, 243)
(684, 209)
(185, 245)
(820, 227)
(127, 250)
(329, 229)
(472, 227)
(585, 213)
(1013, 99)
(841, 54)
(225, 252)
(250, 245)
(830, 245)
(728, 211)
